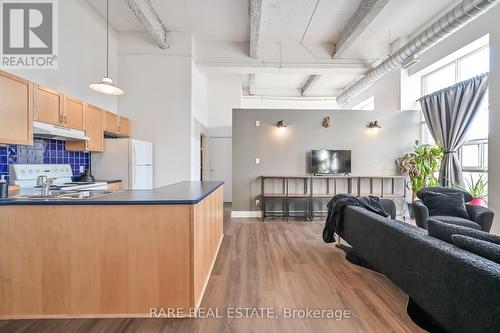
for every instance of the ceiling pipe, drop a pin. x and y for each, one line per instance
(455, 19)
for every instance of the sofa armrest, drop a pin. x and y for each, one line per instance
(389, 207)
(421, 214)
(481, 215)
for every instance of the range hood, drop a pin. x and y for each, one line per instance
(42, 130)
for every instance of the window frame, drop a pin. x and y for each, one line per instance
(482, 143)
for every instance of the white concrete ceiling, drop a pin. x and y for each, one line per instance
(312, 23)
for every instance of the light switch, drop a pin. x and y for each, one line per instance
(257, 160)
(257, 123)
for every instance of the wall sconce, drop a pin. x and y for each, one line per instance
(280, 124)
(374, 124)
(326, 122)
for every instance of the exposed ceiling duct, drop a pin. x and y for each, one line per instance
(455, 19)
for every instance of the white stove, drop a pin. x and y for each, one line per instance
(25, 175)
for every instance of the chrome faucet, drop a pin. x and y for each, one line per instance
(45, 182)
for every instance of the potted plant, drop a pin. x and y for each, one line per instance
(421, 166)
(478, 189)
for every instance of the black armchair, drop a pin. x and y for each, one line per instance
(480, 218)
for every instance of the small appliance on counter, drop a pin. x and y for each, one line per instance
(86, 177)
(126, 159)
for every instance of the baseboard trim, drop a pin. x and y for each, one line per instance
(245, 213)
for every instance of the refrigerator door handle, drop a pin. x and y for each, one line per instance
(134, 178)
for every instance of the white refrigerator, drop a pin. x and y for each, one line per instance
(129, 160)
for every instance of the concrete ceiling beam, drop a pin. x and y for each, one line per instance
(255, 13)
(150, 20)
(359, 21)
(311, 82)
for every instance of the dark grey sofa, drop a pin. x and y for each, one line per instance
(458, 289)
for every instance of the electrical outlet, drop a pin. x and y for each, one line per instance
(82, 169)
(257, 202)
(257, 160)
(257, 123)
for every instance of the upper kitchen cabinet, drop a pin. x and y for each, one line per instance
(94, 129)
(73, 113)
(116, 125)
(16, 110)
(111, 124)
(48, 106)
(124, 126)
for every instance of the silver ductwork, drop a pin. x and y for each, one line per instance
(455, 19)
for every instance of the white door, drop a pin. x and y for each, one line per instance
(220, 163)
(142, 177)
(141, 152)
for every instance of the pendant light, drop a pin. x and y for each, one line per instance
(106, 85)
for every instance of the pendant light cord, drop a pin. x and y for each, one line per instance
(107, 38)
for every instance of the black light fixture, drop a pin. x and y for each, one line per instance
(106, 86)
(373, 124)
(280, 124)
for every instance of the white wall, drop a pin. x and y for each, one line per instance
(199, 115)
(158, 100)
(224, 95)
(82, 55)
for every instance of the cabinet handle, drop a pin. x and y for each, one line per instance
(65, 119)
(61, 118)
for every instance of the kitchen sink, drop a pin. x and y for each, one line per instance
(68, 195)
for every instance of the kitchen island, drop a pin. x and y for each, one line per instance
(116, 255)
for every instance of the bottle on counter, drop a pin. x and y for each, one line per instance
(4, 187)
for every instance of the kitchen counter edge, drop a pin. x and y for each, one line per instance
(182, 193)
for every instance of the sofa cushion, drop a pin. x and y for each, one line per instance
(445, 204)
(482, 248)
(444, 231)
(457, 221)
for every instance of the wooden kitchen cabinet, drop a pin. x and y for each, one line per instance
(116, 125)
(74, 116)
(16, 110)
(48, 105)
(115, 186)
(94, 128)
(124, 126)
(111, 122)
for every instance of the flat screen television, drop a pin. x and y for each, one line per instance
(330, 162)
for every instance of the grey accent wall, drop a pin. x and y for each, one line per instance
(285, 152)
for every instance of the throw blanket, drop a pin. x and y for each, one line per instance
(336, 206)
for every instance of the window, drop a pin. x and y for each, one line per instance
(367, 104)
(474, 155)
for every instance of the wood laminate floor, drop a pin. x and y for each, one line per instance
(270, 265)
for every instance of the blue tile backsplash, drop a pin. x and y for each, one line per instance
(43, 151)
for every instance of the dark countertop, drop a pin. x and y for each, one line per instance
(108, 181)
(183, 193)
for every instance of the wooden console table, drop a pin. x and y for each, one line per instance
(308, 191)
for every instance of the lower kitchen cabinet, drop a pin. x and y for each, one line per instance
(115, 186)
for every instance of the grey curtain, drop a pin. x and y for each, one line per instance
(449, 114)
